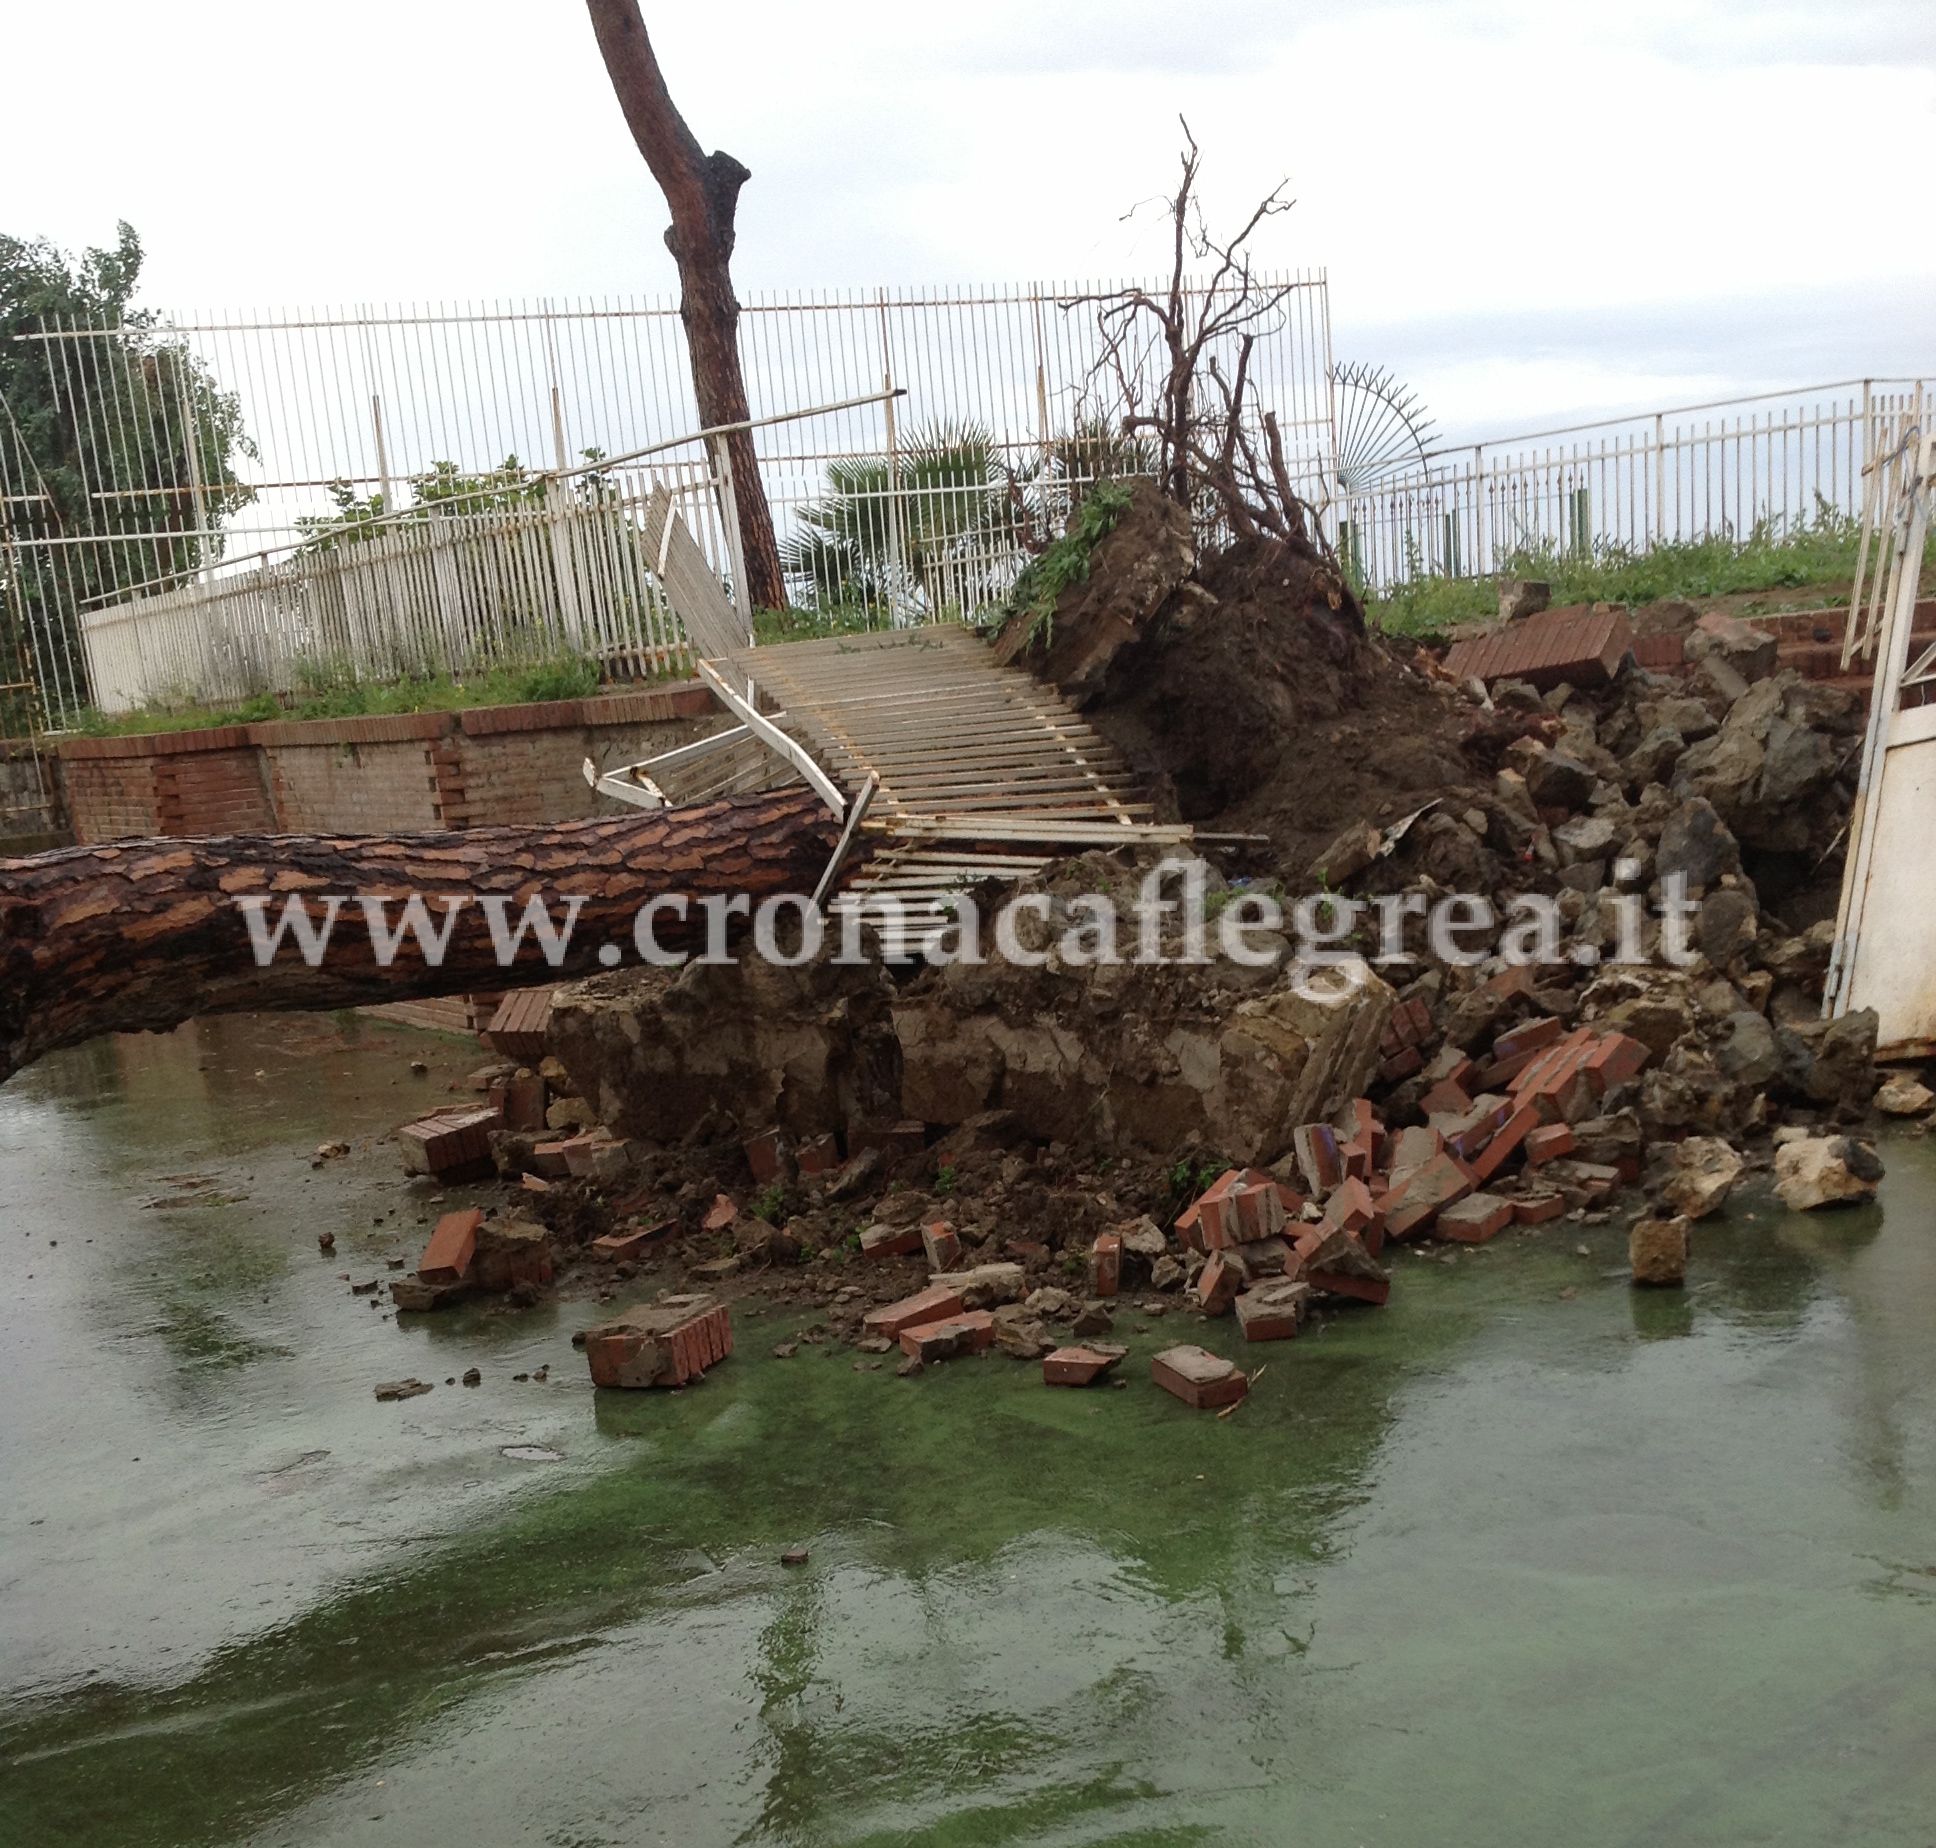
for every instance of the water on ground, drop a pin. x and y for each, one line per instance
(1526, 1558)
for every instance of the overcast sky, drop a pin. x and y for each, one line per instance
(1529, 208)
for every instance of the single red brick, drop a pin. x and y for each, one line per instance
(1259, 1209)
(616, 1245)
(1273, 1311)
(453, 1241)
(766, 1154)
(1350, 1208)
(941, 1246)
(1197, 1377)
(1342, 1283)
(1474, 1219)
(889, 1241)
(1401, 1065)
(1106, 1264)
(1217, 1285)
(520, 1102)
(966, 1333)
(1549, 1060)
(1411, 1206)
(1506, 1139)
(1614, 1060)
(1420, 1016)
(1514, 980)
(448, 1140)
(1499, 1073)
(1445, 1099)
(818, 1154)
(1535, 1209)
(1079, 1366)
(1217, 1222)
(1548, 1143)
(1529, 1036)
(1317, 1156)
(937, 1303)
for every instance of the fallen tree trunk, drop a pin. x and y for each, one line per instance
(142, 935)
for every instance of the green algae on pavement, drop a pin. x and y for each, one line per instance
(1496, 1565)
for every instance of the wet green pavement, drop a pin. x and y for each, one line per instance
(1497, 1565)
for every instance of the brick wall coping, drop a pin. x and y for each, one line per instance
(680, 699)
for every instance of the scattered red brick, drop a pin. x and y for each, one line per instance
(1583, 647)
(520, 1101)
(1529, 1037)
(1318, 1158)
(615, 1246)
(966, 1333)
(1535, 1209)
(1273, 1311)
(1197, 1377)
(1412, 1205)
(941, 1246)
(1474, 1219)
(1217, 1285)
(548, 1159)
(449, 1142)
(889, 1241)
(452, 1242)
(818, 1155)
(1513, 981)
(1080, 1366)
(666, 1343)
(937, 1303)
(1505, 1140)
(520, 1027)
(1376, 1290)
(1402, 1064)
(766, 1155)
(720, 1214)
(1445, 1099)
(1615, 1059)
(1548, 1143)
(1259, 1208)
(1105, 1264)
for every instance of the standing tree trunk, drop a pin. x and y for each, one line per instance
(703, 193)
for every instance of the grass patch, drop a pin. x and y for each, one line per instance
(1817, 551)
(566, 677)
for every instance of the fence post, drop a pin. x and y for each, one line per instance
(382, 454)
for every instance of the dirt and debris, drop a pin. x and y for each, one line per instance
(936, 1164)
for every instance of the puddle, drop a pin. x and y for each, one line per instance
(1527, 1558)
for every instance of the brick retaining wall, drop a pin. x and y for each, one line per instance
(509, 764)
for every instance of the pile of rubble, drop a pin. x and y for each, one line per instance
(939, 1163)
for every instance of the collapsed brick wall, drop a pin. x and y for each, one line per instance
(510, 764)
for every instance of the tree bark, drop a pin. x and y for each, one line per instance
(142, 935)
(702, 191)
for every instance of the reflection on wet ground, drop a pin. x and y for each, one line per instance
(1496, 1566)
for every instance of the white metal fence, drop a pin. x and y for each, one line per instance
(208, 447)
(1697, 472)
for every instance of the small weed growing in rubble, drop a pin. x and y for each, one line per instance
(945, 1181)
(770, 1204)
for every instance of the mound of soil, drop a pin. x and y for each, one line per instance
(1258, 705)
